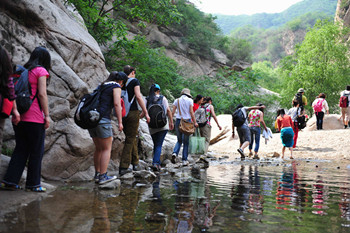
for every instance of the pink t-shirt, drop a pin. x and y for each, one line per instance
(35, 114)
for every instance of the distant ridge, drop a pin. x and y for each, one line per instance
(227, 23)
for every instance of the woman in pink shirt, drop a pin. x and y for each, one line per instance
(30, 131)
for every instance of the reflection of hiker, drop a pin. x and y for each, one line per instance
(255, 117)
(344, 104)
(197, 102)
(102, 134)
(301, 98)
(240, 192)
(185, 103)
(320, 107)
(6, 88)
(131, 123)
(205, 130)
(285, 125)
(158, 134)
(30, 131)
(239, 120)
(294, 112)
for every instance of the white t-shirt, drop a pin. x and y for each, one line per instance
(325, 107)
(347, 93)
(185, 104)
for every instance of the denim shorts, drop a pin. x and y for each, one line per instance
(102, 130)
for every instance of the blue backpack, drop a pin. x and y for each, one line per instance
(23, 89)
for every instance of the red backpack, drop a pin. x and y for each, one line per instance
(318, 106)
(344, 101)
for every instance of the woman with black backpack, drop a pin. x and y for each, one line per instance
(158, 108)
(30, 131)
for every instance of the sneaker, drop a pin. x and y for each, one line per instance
(345, 126)
(250, 154)
(185, 163)
(256, 157)
(97, 177)
(204, 160)
(173, 158)
(123, 171)
(39, 189)
(156, 167)
(5, 186)
(105, 179)
(241, 152)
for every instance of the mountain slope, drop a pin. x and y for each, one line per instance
(227, 23)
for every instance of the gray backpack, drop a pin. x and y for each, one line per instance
(200, 115)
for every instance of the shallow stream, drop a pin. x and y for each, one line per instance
(250, 196)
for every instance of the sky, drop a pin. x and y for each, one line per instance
(243, 7)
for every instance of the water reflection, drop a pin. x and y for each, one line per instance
(248, 197)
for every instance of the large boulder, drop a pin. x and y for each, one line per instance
(78, 66)
(330, 122)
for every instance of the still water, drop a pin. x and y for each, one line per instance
(250, 196)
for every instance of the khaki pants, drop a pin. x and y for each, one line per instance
(130, 151)
(205, 131)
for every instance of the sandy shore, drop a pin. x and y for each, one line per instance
(316, 144)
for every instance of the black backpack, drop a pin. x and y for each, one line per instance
(238, 118)
(299, 98)
(88, 115)
(23, 89)
(156, 112)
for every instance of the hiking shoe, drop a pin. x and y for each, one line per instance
(136, 167)
(173, 158)
(39, 189)
(185, 163)
(105, 179)
(123, 171)
(10, 187)
(204, 160)
(250, 154)
(241, 153)
(97, 177)
(156, 167)
(256, 157)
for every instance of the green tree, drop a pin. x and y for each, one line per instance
(320, 64)
(104, 18)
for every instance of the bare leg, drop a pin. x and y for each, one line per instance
(102, 153)
(283, 150)
(291, 152)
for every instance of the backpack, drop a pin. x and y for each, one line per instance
(156, 112)
(23, 89)
(201, 116)
(299, 98)
(125, 97)
(301, 122)
(88, 115)
(344, 101)
(238, 118)
(318, 106)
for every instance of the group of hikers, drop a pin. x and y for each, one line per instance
(121, 92)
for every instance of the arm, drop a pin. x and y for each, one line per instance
(174, 110)
(170, 117)
(326, 106)
(262, 120)
(214, 116)
(117, 106)
(141, 103)
(255, 107)
(42, 95)
(16, 117)
(193, 117)
(279, 124)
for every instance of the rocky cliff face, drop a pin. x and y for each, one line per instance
(77, 67)
(342, 14)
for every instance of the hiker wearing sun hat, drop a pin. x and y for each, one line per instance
(301, 98)
(184, 104)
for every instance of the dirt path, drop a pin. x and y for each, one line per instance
(316, 144)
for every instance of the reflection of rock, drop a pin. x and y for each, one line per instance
(330, 122)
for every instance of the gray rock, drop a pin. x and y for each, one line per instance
(115, 184)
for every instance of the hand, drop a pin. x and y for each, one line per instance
(148, 119)
(233, 134)
(47, 122)
(16, 117)
(171, 125)
(196, 125)
(219, 127)
(120, 127)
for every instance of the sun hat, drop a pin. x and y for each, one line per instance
(186, 91)
(301, 90)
